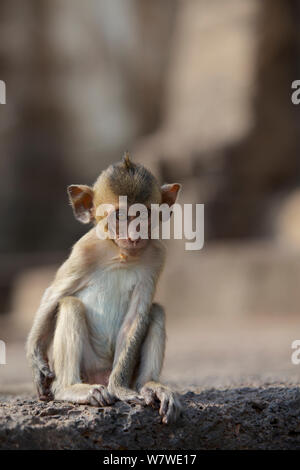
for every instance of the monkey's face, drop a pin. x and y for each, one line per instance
(130, 232)
(135, 184)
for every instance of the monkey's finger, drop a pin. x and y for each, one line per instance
(93, 401)
(94, 397)
(109, 399)
(174, 410)
(47, 383)
(44, 393)
(171, 413)
(46, 377)
(103, 397)
(47, 393)
(137, 399)
(45, 389)
(149, 396)
(40, 389)
(164, 404)
(37, 384)
(98, 395)
(48, 397)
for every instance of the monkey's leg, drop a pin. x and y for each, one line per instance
(152, 356)
(71, 349)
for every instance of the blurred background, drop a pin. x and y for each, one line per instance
(199, 91)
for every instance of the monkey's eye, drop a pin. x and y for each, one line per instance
(121, 214)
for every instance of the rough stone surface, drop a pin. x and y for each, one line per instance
(242, 418)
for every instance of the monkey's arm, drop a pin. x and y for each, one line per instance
(39, 340)
(70, 277)
(129, 341)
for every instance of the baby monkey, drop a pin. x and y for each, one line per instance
(97, 335)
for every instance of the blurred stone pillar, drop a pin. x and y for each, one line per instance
(265, 164)
(230, 131)
(32, 124)
(84, 79)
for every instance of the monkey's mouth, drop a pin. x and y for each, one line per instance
(131, 245)
(135, 242)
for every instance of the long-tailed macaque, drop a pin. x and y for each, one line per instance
(97, 335)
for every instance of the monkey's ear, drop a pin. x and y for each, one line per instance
(81, 198)
(169, 193)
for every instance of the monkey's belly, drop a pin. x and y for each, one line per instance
(106, 299)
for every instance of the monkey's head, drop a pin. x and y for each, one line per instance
(124, 178)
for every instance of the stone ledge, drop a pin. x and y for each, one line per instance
(240, 418)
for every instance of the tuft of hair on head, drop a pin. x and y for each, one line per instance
(126, 161)
(126, 178)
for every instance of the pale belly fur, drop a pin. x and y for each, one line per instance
(106, 299)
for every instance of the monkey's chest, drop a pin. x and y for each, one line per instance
(106, 299)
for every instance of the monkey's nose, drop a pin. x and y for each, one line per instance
(133, 241)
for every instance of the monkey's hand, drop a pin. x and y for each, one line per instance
(100, 396)
(124, 393)
(170, 406)
(42, 377)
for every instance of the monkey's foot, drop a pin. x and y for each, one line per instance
(100, 396)
(170, 406)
